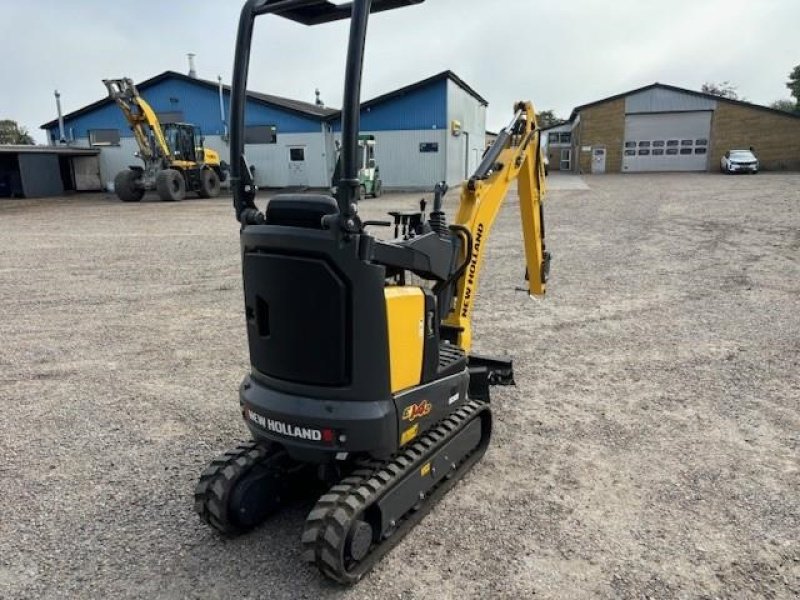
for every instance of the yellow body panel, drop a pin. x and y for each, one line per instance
(405, 318)
(210, 157)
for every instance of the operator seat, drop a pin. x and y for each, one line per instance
(300, 210)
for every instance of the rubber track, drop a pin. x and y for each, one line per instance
(213, 490)
(328, 523)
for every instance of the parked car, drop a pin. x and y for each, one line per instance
(739, 161)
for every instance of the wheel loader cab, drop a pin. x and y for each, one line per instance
(182, 141)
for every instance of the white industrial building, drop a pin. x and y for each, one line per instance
(426, 132)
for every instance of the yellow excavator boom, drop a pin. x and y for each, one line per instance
(515, 157)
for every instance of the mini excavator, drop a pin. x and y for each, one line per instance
(361, 375)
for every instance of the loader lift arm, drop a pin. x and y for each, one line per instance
(141, 117)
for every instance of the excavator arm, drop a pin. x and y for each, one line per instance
(141, 117)
(514, 157)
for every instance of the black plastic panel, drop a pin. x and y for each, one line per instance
(362, 335)
(297, 319)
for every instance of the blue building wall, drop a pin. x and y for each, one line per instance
(423, 108)
(199, 104)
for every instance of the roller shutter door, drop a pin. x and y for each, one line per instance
(666, 142)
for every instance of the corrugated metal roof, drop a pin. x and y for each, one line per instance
(419, 84)
(62, 150)
(681, 90)
(658, 100)
(295, 106)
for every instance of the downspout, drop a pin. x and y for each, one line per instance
(62, 138)
(222, 115)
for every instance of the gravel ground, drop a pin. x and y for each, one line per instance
(649, 450)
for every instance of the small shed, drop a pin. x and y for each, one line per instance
(37, 171)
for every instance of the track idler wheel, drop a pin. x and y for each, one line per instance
(359, 540)
(243, 487)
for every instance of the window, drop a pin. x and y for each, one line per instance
(672, 143)
(630, 144)
(429, 147)
(172, 116)
(630, 152)
(658, 152)
(658, 144)
(104, 137)
(686, 142)
(700, 150)
(672, 151)
(701, 142)
(260, 134)
(644, 152)
(555, 137)
(297, 154)
(644, 144)
(686, 150)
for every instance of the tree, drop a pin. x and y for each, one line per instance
(12, 133)
(724, 90)
(546, 118)
(794, 85)
(785, 105)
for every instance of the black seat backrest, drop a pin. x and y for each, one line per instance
(300, 210)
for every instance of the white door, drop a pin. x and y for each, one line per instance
(297, 166)
(599, 159)
(87, 173)
(667, 142)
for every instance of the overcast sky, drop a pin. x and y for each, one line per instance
(559, 54)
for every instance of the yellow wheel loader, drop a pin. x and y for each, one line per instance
(175, 161)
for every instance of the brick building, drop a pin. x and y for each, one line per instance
(665, 128)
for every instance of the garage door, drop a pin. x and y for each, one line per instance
(667, 142)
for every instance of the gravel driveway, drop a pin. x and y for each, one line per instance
(649, 450)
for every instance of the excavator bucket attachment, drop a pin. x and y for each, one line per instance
(316, 13)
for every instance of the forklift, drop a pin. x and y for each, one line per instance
(369, 173)
(372, 393)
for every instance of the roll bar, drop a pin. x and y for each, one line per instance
(308, 12)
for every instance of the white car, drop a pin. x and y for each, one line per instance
(739, 161)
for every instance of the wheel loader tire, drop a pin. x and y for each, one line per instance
(209, 184)
(362, 192)
(377, 190)
(170, 185)
(127, 186)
